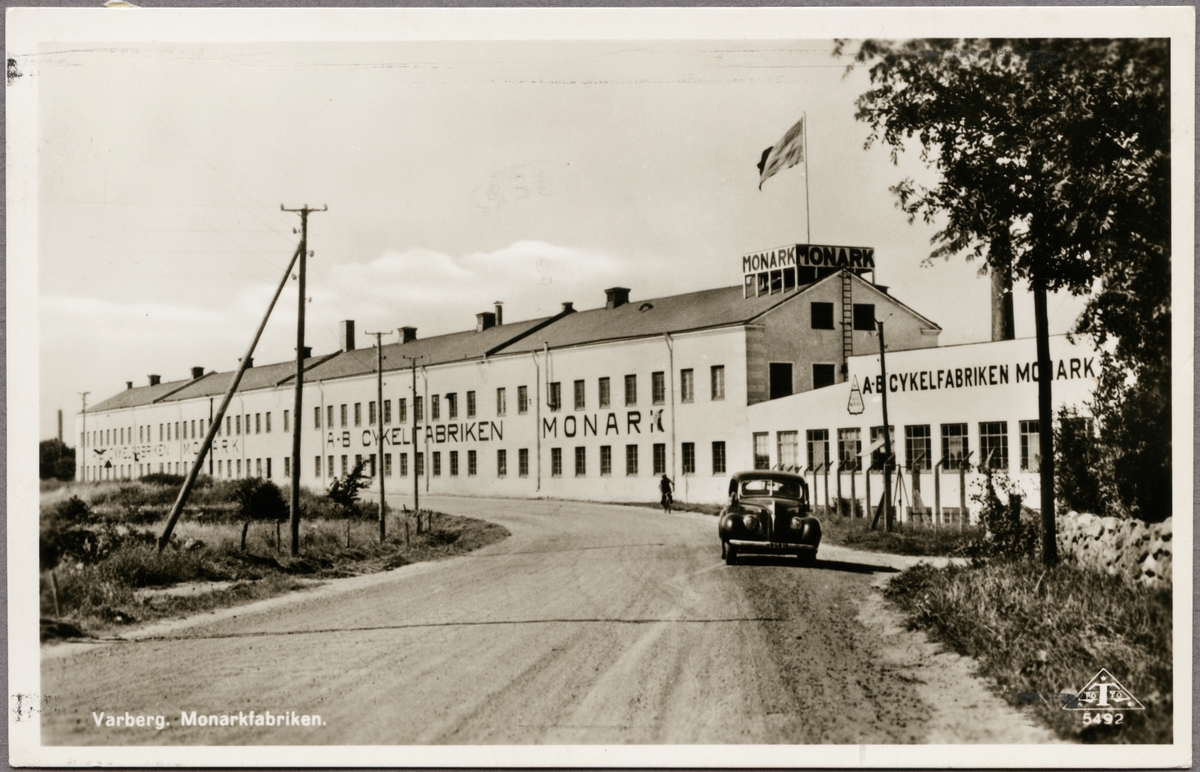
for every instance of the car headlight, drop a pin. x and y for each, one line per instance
(750, 521)
(797, 523)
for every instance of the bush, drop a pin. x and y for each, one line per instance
(1009, 530)
(164, 478)
(258, 499)
(56, 460)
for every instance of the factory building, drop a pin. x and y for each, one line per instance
(586, 404)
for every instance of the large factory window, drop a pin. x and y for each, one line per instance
(556, 462)
(689, 458)
(954, 445)
(605, 460)
(788, 448)
(452, 406)
(822, 316)
(332, 472)
(317, 417)
(718, 382)
(387, 411)
(437, 463)
(402, 410)
(266, 420)
(317, 466)
(605, 390)
(345, 465)
(435, 407)
(329, 417)
(555, 401)
(658, 388)
(762, 450)
(404, 465)
(879, 455)
(454, 463)
(687, 385)
(718, 457)
(580, 461)
(501, 463)
(418, 410)
(345, 423)
(387, 464)
(371, 414)
(580, 396)
(817, 441)
(918, 447)
(864, 316)
(659, 452)
(523, 462)
(470, 404)
(418, 463)
(823, 375)
(287, 467)
(631, 460)
(472, 466)
(781, 379)
(257, 425)
(502, 401)
(849, 446)
(1031, 455)
(993, 444)
(630, 390)
(286, 424)
(358, 414)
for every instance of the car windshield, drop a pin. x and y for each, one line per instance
(776, 488)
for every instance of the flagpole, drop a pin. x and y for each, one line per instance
(807, 213)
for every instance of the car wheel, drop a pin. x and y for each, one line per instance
(730, 554)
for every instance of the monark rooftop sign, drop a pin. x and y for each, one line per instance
(809, 256)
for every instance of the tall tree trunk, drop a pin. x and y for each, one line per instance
(1045, 424)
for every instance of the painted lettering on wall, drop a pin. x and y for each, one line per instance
(979, 375)
(588, 425)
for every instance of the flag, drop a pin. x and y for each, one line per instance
(785, 154)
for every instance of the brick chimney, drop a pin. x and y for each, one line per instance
(249, 362)
(408, 334)
(568, 307)
(128, 385)
(484, 321)
(348, 335)
(307, 352)
(155, 379)
(197, 372)
(499, 312)
(616, 297)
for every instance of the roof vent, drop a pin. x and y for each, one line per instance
(882, 288)
(616, 297)
(568, 307)
(197, 372)
(645, 306)
(408, 334)
(249, 362)
(499, 312)
(306, 352)
(484, 321)
(348, 335)
(128, 385)
(155, 379)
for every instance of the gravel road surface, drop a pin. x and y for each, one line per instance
(590, 624)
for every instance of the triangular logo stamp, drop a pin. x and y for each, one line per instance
(1104, 692)
(855, 407)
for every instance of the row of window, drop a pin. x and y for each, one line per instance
(864, 316)
(253, 423)
(918, 447)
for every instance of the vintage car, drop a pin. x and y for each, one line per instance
(768, 512)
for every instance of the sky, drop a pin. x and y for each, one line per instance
(456, 174)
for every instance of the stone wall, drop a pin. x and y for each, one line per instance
(1130, 548)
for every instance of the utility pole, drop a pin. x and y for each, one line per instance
(380, 468)
(887, 439)
(297, 411)
(416, 421)
(1045, 424)
(83, 442)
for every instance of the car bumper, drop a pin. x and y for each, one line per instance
(750, 545)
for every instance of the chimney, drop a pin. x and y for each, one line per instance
(60, 426)
(348, 335)
(306, 352)
(249, 362)
(155, 379)
(568, 307)
(1002, 305)
(408, 334)
(617, 297)
(499, 312)
(484, 321)
(128, 385)
(882, 288)
(197, 372)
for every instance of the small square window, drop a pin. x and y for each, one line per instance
(822, 316)
(864, 316)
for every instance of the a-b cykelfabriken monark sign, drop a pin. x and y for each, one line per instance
(785, 268)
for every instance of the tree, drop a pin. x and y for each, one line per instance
(258, 499)
(56, 460)
(1053, 163)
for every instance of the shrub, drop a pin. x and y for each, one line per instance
(164, 478)
(1009, 530)
(344, 490)
(56, 460)
(258, 499)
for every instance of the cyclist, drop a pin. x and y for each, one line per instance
(665, 485)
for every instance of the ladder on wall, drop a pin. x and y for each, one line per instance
(847, 322)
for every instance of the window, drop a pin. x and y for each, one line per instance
(817, 442)
(605, 460)
(918, 448)
(404, 465)
(556, 462)
(879, 454)
(718, 382)
(822, 316)
(329, 417)
(470, 404)
(472, 466)
(239, 466)
(317, 417)
(580, 462)
(372, 416)
(419, 463)
(718, 457)
(317, 466)
(331, 469)
(780, 374)
(257, 424)
(555, 396)
(401, 410)
(437, 463)
(1031, 448)
(370, 463)
(523, 462)
(689, 458)
(823, 375)
(658, 388)
(660, 458)
(605, 392)
(993, 444)
(454, 463)
(343, 416)
(387, 464)
(954, 445)
(257, 467)
(435, 407)
(358, 462)
(452, 406)
(787, 448)
(687, 385)
(631, 460)
(849, 448)
(502, 401)
(864, 316)
(630, 390)
(418, 409)
(522, 399)
(762, 450)
(237, 423)
(387, 411)
(579, 396)
(358, 414)
(287, 426)
(501, 463)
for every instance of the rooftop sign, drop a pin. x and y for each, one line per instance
(810, 256)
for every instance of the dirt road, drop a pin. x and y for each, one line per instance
(590, 624)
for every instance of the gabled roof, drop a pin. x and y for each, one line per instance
(644, 318)
(138, 396)
(216, 384)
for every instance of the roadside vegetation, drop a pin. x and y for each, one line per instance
(101, 569)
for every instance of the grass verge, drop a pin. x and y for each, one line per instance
(1042, 634)
(904, 539)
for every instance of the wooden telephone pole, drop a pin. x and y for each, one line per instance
(83, 440)
(380, 468)
(416, 421)
(303, 211)
(887, 439)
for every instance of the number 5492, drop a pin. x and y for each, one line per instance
(1103, 718)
